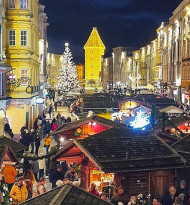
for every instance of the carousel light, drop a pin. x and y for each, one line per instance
(93, 124)
(90, 123)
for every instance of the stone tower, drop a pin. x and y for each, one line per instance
(94, 49)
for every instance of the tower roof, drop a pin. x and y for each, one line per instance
(94, 40)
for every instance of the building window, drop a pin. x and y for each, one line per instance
(12, 41)
(24, 76)
(23, 38)
(11, 4)
(23, 4)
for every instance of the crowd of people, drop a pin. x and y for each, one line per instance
(32, 183)
(174, 196)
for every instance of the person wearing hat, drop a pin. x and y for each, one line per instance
(182, 192)
(19, 192)
(120, 197)
(56, 175)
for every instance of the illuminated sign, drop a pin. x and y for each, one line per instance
(39, 100)
(140, 122)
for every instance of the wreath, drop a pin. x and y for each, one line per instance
(78, 131)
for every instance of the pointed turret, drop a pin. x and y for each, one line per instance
(94, 49)
(94, 40)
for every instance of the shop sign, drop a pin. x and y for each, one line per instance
(39, 100)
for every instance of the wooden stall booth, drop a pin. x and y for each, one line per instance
(140, 162)
(85, 127)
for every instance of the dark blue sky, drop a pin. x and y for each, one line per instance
(119, 22)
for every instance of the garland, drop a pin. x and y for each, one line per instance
(78, 131)
(5, 193)
(41, 157)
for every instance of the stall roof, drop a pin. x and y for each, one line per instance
(172, 109)
(94, 118)
(122, 150)
(66, 194)
(17, 147)
(177, 121)
(182, 147)
(158, 101)
(7, 149)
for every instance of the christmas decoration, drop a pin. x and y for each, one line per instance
(141, 121)
(68, 78)
(78, 132)
(4, 193)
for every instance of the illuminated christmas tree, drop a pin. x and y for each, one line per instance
(68, 78)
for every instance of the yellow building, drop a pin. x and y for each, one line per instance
(135, 77)
(143, 67)
(20, 34)
(53, 64)
(81, 74)
(94, 49)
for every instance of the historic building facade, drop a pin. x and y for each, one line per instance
(21, 48)
(164, 63)
(94, 50)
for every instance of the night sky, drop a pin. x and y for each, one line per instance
(119, 22)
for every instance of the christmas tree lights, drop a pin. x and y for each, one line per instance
(68, 78)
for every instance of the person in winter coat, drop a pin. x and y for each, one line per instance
(47, 142)
(35, 168)
(50, 110)
(156, 201)
(29, 180)
(70, 174)
(55, 126)
(22, 130)
(51, 168)
(48, 127)
(32, 139)
(19, 192)
(40, 187)
(40, 132)
(182, 192)
(42, 167)
(57, 175)
(26, 139)
(36, 124)
(9, 173)
(7, 127)
(169, 196)
(120, 197)
(37, 143)
(93, 190)
(178, 201)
